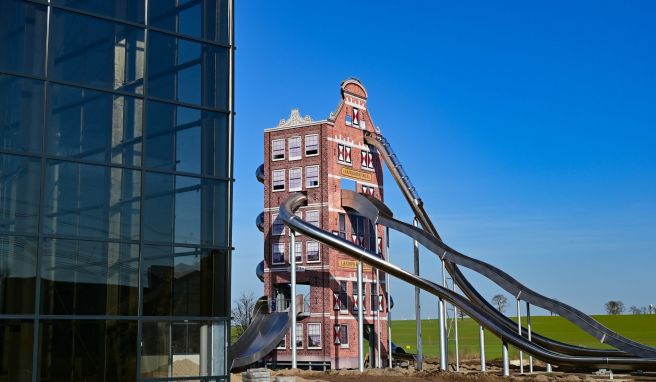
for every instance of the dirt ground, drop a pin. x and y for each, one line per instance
(469, 372)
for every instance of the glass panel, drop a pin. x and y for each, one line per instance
(88, 350)
(19, 193)
(180, 209)
(16, 343)
(96, 52)
(88, 277)
(92, 201)
(184, 281)
(182, 349)
(91, 125)
(18, 275)
(21, 114)
(22, 37)
(130, 10)
(207, 19)
(187, 71)
(185, 139)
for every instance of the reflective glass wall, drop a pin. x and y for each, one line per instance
(115, 189)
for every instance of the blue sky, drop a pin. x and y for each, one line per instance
(528, 129)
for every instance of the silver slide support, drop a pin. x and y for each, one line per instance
(411, 195)
(420, 351)
(292, 260)
(507, 335)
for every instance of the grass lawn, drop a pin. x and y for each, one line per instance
(641, 328)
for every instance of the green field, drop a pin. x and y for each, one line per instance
(641, 328)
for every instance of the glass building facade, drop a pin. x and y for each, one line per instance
(116, 128)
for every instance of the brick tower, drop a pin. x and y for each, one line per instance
(320, 158)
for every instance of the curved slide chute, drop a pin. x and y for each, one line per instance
(474, 311)
(599, 331)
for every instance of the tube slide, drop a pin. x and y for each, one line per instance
(506, 334)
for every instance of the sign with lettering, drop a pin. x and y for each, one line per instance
(352, 264)
(355, 174)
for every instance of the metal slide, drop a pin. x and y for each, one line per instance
(587, 323)
(377, 212)
(508, 335)
(262, 336)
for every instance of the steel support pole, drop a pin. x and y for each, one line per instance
(528, 324)
(519, 330)
(455, 328)
(360, 319)
(389, 304)
(444, 348)
(292, 260)
(481, 335)
(379, 358)
(420, 353)
(506, 363)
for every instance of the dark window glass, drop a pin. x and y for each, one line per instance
(130, 10)
(16, 343)
(184, 281)
(207, 19)
(175, 349)
(19, 193)
(91, 201)
(180, 209)
(185, 139)
(343, 296)
(21, 114)
(17, 272)
(96, 52)
(22, 37)
(91, 125)
(88, 350)
(187, 71)
(88, 277)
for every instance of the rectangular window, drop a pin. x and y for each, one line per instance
(311, 145)
(277, 226)
(295, 179)
(356, 116)
(299, 336)
(294, 148)
(343, 154)
(20, 125)
(277, 149)
(368, 190)
(300, 216)
(314, 336)
(298, 251)
(22, 37)
(278, 180)
(343, 296)
(129, 10)
(341, 219)
(278, 253)
(18, 258)
(312, 252)
(374, 296)
(366, 160)
(19, 193)
(343, 336)
(312, 176)
(206, 19)
(312, 217)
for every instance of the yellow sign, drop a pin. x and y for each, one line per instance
(355, 174)
(351, 264)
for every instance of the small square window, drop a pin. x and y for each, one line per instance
(278, 149)
(278, 180)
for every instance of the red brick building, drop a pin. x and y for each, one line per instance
(321, 158)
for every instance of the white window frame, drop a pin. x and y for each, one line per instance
(307, 259)
(314, 324)
(298, 253)
(344, 162)
(300, 337)
(341, 343)
(300, 182)
(307, 178)
(306, 145)
(273, 247)
(274, 217)
(284, 343)
(318, 217)
(273, 177)
(284, 149)
(300, 148)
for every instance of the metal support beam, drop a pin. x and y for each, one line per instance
(506, 363)
(455, 328)
(444, 348)
(389, 304)
(379, 358)
(482, 343)
(420, 353)
(528, 324)
(519, 331)
(360, 320)
(292, 260)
